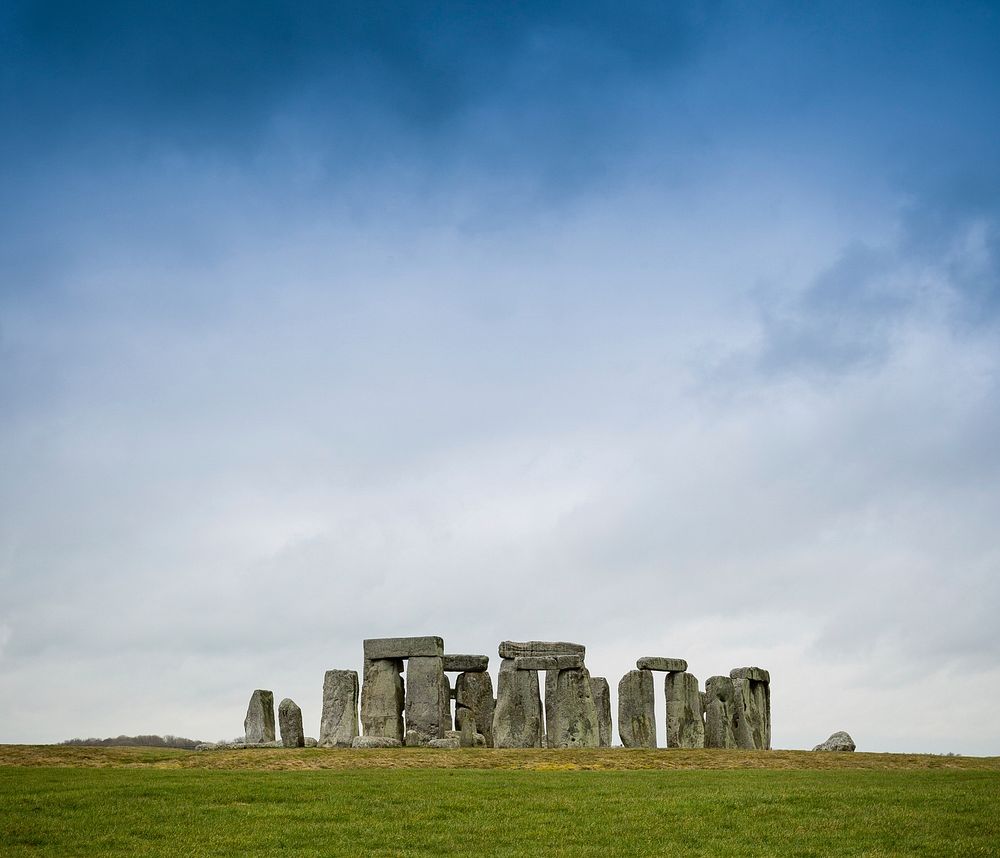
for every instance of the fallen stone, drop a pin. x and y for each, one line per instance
(259, 723)
(515, 649)
(277, 743)
(474, 694)
(655, 662)
(311, 742)
(404, 647)
(575, 712)
(466, 663)
(602, 702)
(382, 699)
(290, 722)
(339, 721)
(839, 741)
(685, 728)
(720, 713)
(427, 698)
(517, 718)
(375, 742)
(548, 662)
(443, 743)
(637, 710)
(757, 674)
(413, 739)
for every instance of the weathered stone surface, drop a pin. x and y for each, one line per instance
(311, 742)
(516, 649)
(478, 739)
(404, 647)
(549, 662)
(757, 674)
(752, 708)
(517, 719)
(339, 721)
(637, 710)
(414, 739)
(466, 663)
(382, 699)
(551, 691)
(474, 695)
(685, 729)
(443, 743)
(290, 723)
(467, 732)
(447, 722)
(259, 723)
(375, 742)
(655, 662)
(427, 697)
(575, 714)
(720, 713)
(602, 701)
(839, 741)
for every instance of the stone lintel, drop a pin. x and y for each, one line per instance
(549, 662)
(466, 663)
(516, 649)
(755, 674)
(376, 648)
(655, 662)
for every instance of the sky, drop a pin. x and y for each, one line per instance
(668, 328)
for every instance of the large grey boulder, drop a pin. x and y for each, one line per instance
(752, 687)
(427, 697)
(339, 721)
(474, 695)
(382, 699)
(572, 661)
(466, 663)
(258, 726)
(839, 741)
(720, 713)
(517, 719)
(602, 702)
(311, 742)
(637, 710)
(375, 742)
(655, 662)
(444, 743)
(685, 728)
(290, 722)
(575, 714)
(515, 649)
(404, 647)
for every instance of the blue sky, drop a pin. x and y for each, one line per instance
(670, 328)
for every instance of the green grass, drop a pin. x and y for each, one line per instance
(151, 803)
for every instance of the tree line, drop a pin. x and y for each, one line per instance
(138, 741)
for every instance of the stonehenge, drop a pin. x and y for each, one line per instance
(386, 710)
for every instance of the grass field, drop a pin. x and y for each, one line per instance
(99, 801)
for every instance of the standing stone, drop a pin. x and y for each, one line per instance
(258, 726)
(575, 714)
(339, 721)
(602, 701)
(382, 699)
(637, 710)
(474, 695)
(290, 723)
(551, 691)
(425, 688)
(447, 721)
(517, 719)
(752, 686)
(685, 729)
(467, 732)
(720, 713)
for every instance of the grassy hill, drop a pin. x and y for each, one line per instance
(98, 801)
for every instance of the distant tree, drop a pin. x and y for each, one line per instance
(146, 741)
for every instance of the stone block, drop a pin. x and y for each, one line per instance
(602, 701)
(515, 649)
(517, 718)
(637, 710)
(382, 699)
(339, 720)
(720, 713)
(549, 662)
(466, 663)
(685, 727)
(375, 742)
(757, 674)
(752, 708)
(290, 724)
(404, 647)
(655, 662)
(574, 712)
(258, 726)
(474, 695)
(427, 697)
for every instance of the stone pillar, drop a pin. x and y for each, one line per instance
(425, 687)
(382, 698)
(602, 701)
(474, 695)
(637, 710)
(258, 726)
(517, 719)
(685, 729)
(752, 695)
(575, 714)
(290, 722)
(720, 714)
(339, 721)
(447, 722)
(551, 691)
